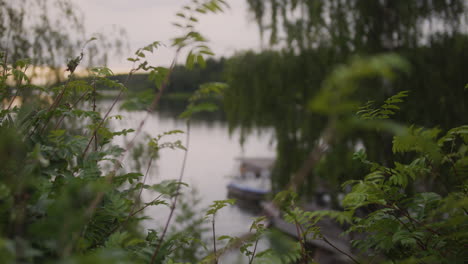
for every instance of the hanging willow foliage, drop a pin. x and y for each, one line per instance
(273, 88)
(357, 24)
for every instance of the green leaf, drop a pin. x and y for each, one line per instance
(168, 188)
(158, 75)
(201, 61)
(225, 237)
(190, 60)
(218, 205)
(130, 177)
(193, 109)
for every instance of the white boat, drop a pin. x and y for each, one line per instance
(253, 182)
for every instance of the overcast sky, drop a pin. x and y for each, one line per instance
(149, 20)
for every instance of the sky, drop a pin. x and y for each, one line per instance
(146, 21)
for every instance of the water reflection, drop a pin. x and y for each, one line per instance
(210, 163)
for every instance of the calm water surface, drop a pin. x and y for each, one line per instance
(211, 161)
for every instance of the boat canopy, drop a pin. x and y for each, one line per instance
(255, 165)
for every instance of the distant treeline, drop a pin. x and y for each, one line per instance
(182, 81)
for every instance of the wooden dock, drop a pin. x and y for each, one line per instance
(323, 253)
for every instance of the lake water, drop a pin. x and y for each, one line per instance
(211, 161)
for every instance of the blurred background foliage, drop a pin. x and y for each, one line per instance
(310, 38)
(66, 193)
(48, 183)
(50, 32)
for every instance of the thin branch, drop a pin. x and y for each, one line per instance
(13, 99)
(5, 60)
(52, 107)
(420, 243)
(17, 91)
(110, 176)
(152, 107)
(158, 247)
(146, 205)
(141, 190)
(100, 195)
(235, 244)
(214, 240)
(406, 213)
(301, 238)
(101, 123)
(73, 106)
(133, 213)
(341, 251)
(254, 251)
(55, 104)
(94, 110)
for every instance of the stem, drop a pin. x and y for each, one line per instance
(5, 67)
(141, 191)
(412, 221)
(73, 106)
(455, 170)
(341, 251)
(401, 222)
(406, 213)
(144, 207)
(94, 110)
(133, 214)
(301, 239)
(150, 110)
(13, 99)
(17, 91)
(54, 105)
(60, 96)
(253, 253)
(214, 239)
(420, 243)
(93, 205)
(158, 247)
(304, 240)
(5, 60)
(119, 95)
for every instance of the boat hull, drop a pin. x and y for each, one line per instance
(242, 192)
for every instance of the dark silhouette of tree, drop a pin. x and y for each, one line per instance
(312, 37)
